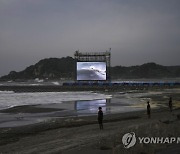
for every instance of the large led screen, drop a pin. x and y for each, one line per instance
(91, 71)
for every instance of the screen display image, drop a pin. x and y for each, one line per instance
(91, 71)
(90, 106)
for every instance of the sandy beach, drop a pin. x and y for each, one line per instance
(47, 129)
(82, 135)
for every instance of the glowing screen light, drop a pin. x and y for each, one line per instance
(90, 106)
(91, 71)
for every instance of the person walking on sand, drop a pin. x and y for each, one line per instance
(170, 103)
(100, 118)
(148, 110)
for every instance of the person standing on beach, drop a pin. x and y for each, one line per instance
(170, 103)
(100, 118)
(148, 110)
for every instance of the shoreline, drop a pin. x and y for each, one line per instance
(127, 102)
(53, 131)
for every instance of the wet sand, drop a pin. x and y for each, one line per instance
(53, 130)
(121, 102)
(29, 109)
(82, 135)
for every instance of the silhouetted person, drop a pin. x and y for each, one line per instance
(100, 118)
(148, 110)
(170, 103)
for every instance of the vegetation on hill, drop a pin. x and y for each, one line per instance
(148, 70)
(56, 68)
(51, 68)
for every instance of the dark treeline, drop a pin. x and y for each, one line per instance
(56, 68)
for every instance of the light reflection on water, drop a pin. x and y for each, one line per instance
(91, 107)
(72, 104)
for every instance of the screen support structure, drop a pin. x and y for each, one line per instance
(95, 57)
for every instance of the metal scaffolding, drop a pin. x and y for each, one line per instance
(95, 57)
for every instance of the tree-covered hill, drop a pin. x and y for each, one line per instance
(148, 70)
(56, 68)
(51, 68)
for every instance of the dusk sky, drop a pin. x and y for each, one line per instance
(137, 31)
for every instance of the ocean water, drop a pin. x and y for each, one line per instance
(10, 99)
(79, 104)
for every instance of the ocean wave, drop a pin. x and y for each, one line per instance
(9, 98)
(6, 92)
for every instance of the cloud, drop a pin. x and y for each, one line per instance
(137, 31)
